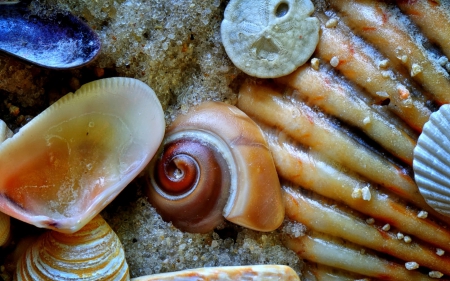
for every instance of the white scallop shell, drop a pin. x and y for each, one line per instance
(92, 253)
(68, 163)
(432, 161)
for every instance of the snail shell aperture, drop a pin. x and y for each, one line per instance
(215, 163)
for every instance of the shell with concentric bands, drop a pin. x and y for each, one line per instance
(92, 253)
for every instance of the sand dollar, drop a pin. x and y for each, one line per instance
(269, 38)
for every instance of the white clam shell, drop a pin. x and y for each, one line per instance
(93, 253)
(69, 162)
(432, 161)
(228, 273)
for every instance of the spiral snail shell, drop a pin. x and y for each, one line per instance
(92, 253)
(215, 163)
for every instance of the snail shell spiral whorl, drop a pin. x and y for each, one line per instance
(215, 163)
(92, 253)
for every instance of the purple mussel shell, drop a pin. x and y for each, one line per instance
(58, 40)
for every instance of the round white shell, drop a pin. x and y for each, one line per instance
(69, 162)
(432, 161)
(269, 38)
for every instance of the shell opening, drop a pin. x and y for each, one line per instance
(192, 179)
(281, 10)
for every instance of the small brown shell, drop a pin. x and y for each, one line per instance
(216, 162)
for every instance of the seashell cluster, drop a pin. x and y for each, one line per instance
(342, 131)
(215, 163)
(431, 158)
(232, 273)
(269, 38)
(69, 162)
(92, 253)
(57, 40)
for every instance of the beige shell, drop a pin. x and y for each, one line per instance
(5, 224)
(92, 253)
(216, 163)
(68, 163)
(228, 273)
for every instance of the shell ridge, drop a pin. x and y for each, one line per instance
(434, 196)
(440, 131)
(423, 163)
(434, 138)
(430, 187)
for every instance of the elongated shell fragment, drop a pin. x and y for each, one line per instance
(250, 273)
(432, 161)
(92, 253)
(69, 162)
(215, 163)
(5, 222)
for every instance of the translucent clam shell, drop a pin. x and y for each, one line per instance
(432, 161)
(93, 253)
(68, 163)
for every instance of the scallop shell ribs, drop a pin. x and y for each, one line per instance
(344, 136)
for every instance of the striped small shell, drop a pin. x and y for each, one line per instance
(431, 161)
(92, 253)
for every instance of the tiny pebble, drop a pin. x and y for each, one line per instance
(382, 94)
(334, 61)
(400, 236)
(407, 239)
(422, 215)
(386, 227)
(357, 193)
(383, 64)
(416, 69)
(315, 63)
(435, 274)
(440, 252)
(404, 58)
(370, 220)
(331, 23)
(366, 191)
(411, 265)
(443, 60)
(99, 72)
